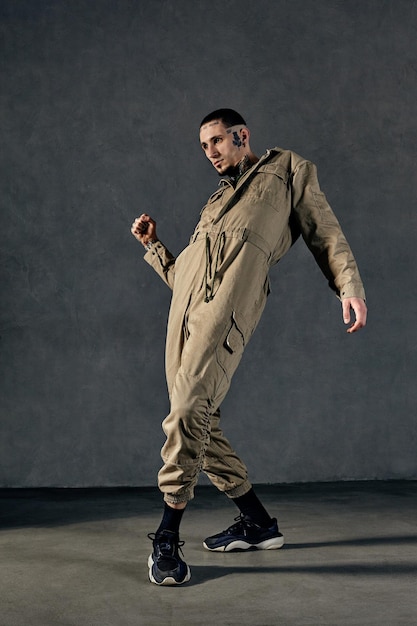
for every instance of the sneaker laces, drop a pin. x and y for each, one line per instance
(167, 545)
(242, 522)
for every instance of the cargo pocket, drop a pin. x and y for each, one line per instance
(230, 350)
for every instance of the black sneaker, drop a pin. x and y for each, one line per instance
(245, 535)
(166, 567)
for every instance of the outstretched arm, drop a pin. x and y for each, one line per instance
(323, 235)
(360, 310)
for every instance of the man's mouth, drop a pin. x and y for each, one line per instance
(217, 163)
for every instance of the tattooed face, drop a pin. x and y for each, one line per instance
(224, 147)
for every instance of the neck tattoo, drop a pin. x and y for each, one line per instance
(240, 169)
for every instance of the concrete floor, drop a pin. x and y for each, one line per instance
(78, 558)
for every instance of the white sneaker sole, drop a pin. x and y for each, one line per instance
(169, 580)
(269, 544)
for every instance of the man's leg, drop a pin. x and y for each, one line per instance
(187, 429)
(192, 431)
(166, 567)
(254, 528)
(172, 516)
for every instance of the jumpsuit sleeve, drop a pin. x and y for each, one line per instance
(162, 261)
(323, 235)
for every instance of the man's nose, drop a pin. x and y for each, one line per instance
(212, 152)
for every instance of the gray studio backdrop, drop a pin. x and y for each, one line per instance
(100, 107)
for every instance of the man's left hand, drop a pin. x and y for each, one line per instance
(360, 310)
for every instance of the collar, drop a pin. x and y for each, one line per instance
(244, 166)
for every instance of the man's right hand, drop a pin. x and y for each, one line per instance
(144, 229)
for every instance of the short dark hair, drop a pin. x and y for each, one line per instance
(229, 117)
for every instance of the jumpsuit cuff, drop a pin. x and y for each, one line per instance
(352, 290)
(236, 492)
(185, 496)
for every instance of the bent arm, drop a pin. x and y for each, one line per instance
(162, 261)
(157, 255)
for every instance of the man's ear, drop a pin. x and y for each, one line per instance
(245, 134)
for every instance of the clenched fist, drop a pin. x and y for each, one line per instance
(144, 229)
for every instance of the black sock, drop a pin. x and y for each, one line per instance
(171, 519)
(250, 505)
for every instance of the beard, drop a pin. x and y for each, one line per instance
(234, 171)
(230, 171)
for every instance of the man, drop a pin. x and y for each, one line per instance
(220, 285)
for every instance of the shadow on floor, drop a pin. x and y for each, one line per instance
(37, 507)
(202, 574)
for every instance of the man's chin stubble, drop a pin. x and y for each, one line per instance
(229, 171)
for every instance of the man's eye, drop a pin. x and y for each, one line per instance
(217, 140)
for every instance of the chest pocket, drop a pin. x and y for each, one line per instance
(217, 195)
(210, 210)
(268, 185)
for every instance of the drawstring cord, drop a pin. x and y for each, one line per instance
(210, 275)
(208, 270)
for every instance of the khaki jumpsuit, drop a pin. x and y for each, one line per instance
(220, 284)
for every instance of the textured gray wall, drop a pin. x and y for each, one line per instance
(100, 107)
